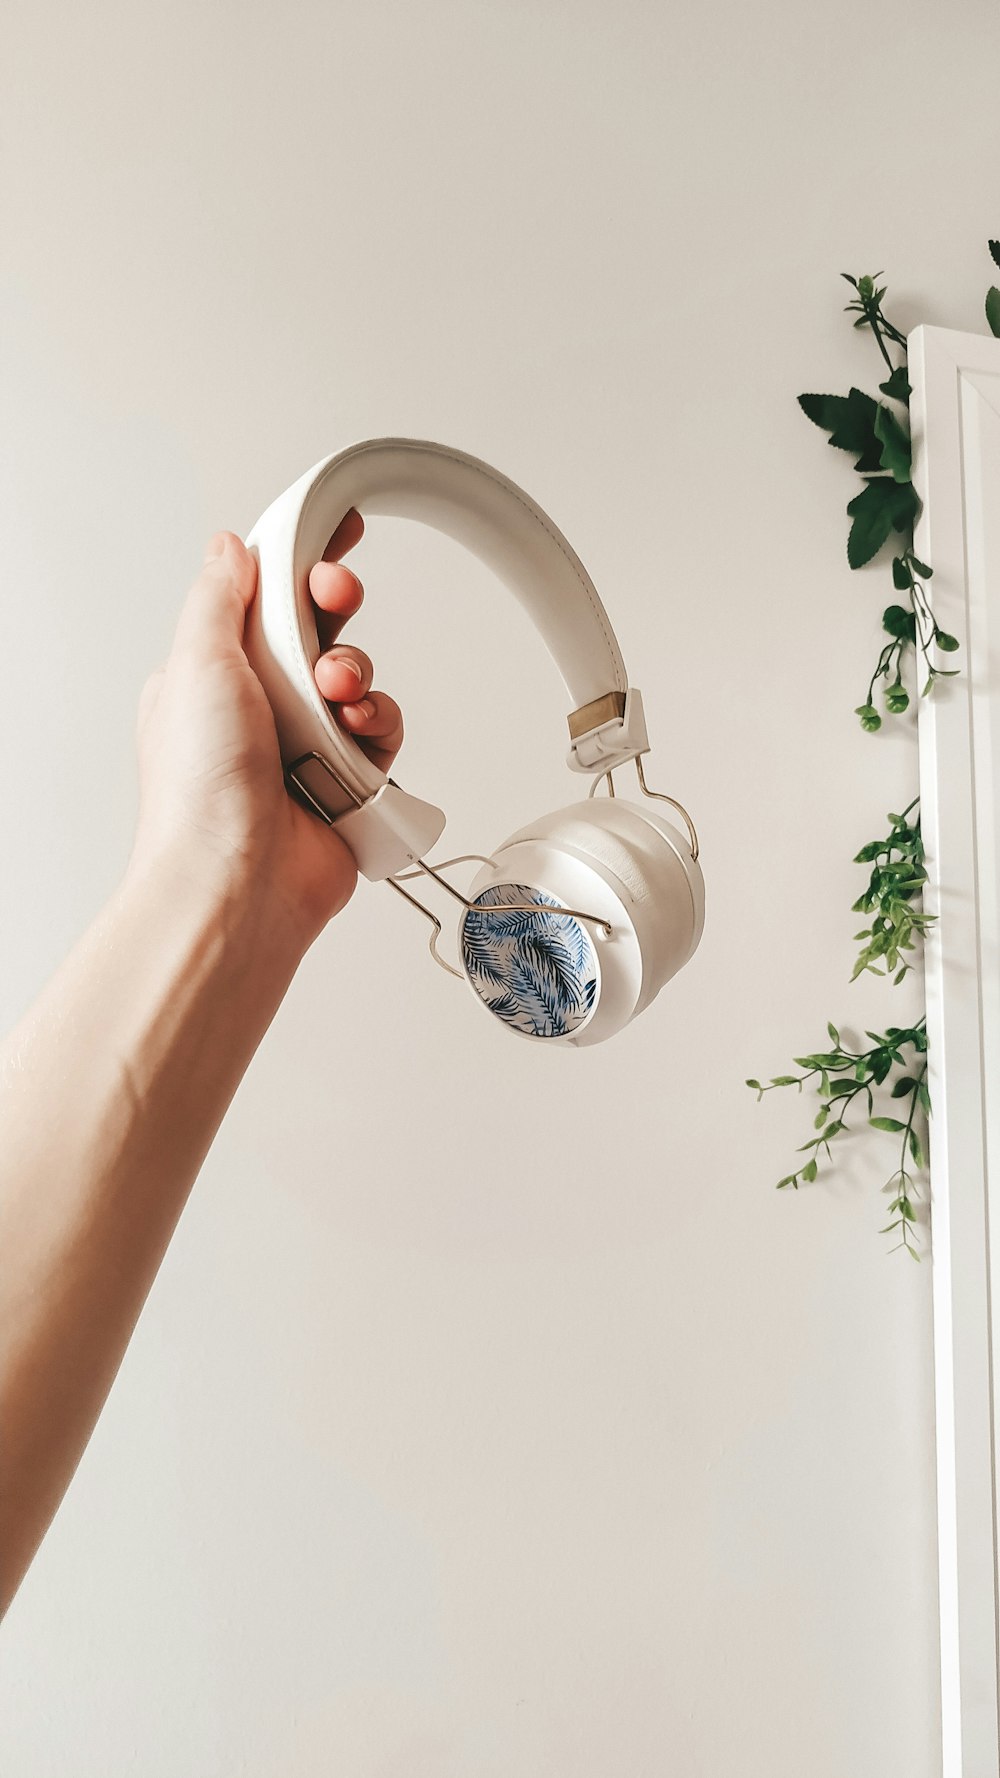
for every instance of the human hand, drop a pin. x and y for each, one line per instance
(211, 787)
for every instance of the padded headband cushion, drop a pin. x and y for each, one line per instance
(457, 494)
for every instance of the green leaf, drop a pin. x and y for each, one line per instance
(895, 444)
(948, 643)
(903, 1085)
(785, 1080)
(872, 515)
(870, 718)
(840, 1087)
(833, 1033)
(756, 1084)
(883, 506)
(920, 567)
(886, 1123)
(850, 421)
(900, 576)
(915, 1148)
(881, 1063)
(897, 699)
(897, 621)
(994, 247)
(993, 309)
(897, 386)
(809, 1171)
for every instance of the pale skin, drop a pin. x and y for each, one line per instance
(116, 1079)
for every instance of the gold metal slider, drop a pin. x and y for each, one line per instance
(589, 716)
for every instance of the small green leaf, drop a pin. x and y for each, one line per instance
(897, 699)
(785, 1080)
(993, 309)
(900, 576)
(920, 567)
(870, 718)
(948, 643)
(833, 1033)
(895, 444)
(994, 247)
(809, 1171)
(897, 386)
(884, 505)
(872, 515)
(915, 1149)
(756, 1084)
(897, 621)
(881, 1063)
(886, 1123)
(904, 1085)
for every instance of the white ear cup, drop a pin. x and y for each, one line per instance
(562, 979)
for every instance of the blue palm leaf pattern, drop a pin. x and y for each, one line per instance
(537, 972)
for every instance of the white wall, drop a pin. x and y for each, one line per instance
(492, 1415)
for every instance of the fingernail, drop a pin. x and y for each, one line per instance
(366, 707)
(216, 545)
(343, 660)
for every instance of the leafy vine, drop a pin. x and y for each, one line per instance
(887, 505)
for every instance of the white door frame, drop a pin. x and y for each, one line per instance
(955, 422)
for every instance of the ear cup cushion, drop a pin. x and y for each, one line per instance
(650, 862)
(620, 846)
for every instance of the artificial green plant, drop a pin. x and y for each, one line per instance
(876, 433)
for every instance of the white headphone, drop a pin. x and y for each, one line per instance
(598, 904)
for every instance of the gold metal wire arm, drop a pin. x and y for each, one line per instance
(509, 907)
(435, 922)
(600, 780)
(658, 794)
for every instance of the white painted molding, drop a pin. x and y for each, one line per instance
(955, 419)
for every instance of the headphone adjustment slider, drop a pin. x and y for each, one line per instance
(607, 732)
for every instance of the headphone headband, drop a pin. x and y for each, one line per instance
(497, 521)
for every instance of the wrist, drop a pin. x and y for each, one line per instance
(240, 905)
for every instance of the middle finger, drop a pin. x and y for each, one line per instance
(337, 594)
(344, 674)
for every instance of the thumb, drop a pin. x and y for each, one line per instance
(213, 614)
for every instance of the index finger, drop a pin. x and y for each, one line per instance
(349, 532)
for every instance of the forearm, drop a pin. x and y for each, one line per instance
(112, 1088)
